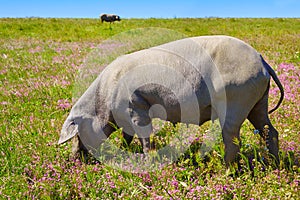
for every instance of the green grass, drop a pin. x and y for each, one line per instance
(39, 60)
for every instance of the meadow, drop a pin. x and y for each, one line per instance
(39, 61)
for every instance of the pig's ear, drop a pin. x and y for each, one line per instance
(69, 130)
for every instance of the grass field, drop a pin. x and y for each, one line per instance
(39, 60)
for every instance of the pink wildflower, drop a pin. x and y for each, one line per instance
(64, 104)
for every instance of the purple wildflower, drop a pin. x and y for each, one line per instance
(4, 103)
(64, 104)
